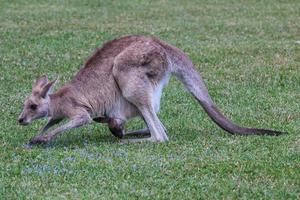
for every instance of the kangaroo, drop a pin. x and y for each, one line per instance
(123, 79)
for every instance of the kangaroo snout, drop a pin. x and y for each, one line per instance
(22, 121)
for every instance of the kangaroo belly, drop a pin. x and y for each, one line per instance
(123, 110)
(158, 92)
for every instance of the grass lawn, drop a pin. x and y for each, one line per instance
(248, 55)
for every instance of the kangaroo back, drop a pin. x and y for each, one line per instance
(183, 68)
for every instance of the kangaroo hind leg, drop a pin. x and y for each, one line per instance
(139, 91)
(140, 71)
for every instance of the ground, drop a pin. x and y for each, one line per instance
(248, 53)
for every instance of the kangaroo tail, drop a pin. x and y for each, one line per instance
(194, 83)
(185, 71)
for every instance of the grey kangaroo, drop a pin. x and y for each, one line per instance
(121, 80)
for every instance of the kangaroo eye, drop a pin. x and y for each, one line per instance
(33, 106)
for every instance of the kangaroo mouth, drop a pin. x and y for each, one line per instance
(23, 122)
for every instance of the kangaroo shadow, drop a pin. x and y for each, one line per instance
(78, 140)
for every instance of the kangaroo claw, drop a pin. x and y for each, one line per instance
(40, 139)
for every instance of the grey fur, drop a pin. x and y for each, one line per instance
(121, 80)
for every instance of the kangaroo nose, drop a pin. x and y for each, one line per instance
(21, 120)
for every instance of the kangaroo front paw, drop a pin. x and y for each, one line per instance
(40, 139)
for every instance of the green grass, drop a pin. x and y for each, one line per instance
(248, 56)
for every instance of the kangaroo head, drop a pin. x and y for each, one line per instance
(37, 105)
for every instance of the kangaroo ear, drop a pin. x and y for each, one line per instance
(47, 89)
(40, 82)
